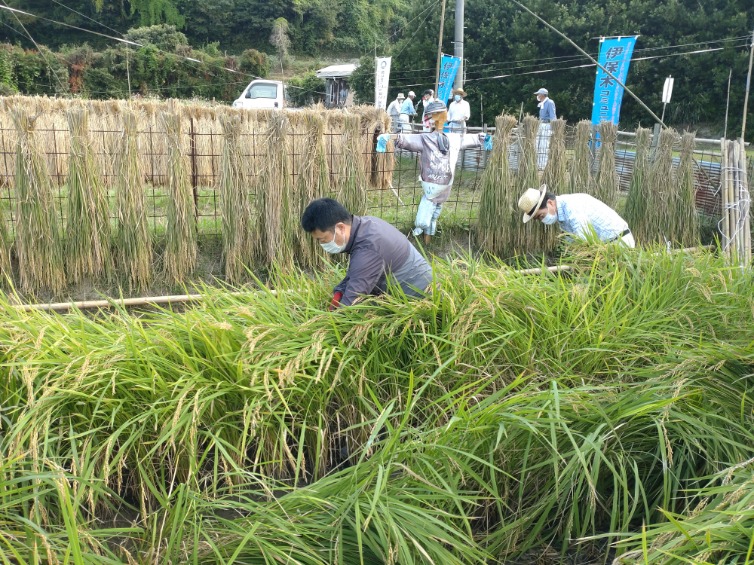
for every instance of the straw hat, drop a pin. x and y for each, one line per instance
(531, 200)
(460, 91)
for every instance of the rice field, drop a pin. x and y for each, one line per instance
(601, 414)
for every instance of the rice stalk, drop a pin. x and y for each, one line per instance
(133, 239)
(581, 166)
(235, 202)
(606, 182)
(352, 178)
(662, 192)
(38, 239)
(87, 244)
(179, 258)
(685, 227)
(555, 175)
(500, 230)
(6, 273)
(637, 213)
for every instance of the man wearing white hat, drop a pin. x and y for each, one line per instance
(546, 115)
(407, 111)
(578, 215)
(394, 111)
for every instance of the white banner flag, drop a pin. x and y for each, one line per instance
(381, 79)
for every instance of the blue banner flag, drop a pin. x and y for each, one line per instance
(615, 56)
(448, 69)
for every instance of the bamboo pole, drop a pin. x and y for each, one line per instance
(737, 201)
(747, 204)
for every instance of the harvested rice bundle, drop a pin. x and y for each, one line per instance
(38, 239)
(555, 175)
(180, 237)
(353, 181)
(5, 252)
(658, 214)
(499, 230)
(606, 182)
(235, 203)
(581, 166)
(133, 241)
(685, 227)
(87, 243)
(639, 190)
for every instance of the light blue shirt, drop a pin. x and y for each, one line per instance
(578, 214)
(547, 110)
(408, 107)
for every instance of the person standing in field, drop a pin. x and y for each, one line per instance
(546, 115)
(428, 96)
(458, 112)
(438, 154)
(407, 112)
(379, 253)
(579, 215)
(394, 111)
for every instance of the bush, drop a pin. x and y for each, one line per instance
(306, 89)
(254, 63)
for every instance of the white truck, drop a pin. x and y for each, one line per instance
(262, 95)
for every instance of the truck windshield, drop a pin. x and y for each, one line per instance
(263, 91)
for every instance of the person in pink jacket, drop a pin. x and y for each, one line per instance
(438, 154)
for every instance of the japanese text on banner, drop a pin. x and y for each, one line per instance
(381, 79)
(448, 69)
(615, 56)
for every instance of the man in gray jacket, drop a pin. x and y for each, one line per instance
(378, 252)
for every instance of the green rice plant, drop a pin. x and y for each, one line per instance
(87, 243)
(276, 198)
(237, 216)
(499, 229)
(637, 212)
(39, 244)
(555, 175)
(581, 165)
(6, 273)
(685, 220)
(133, 240)
(606, 182)
(179, 257)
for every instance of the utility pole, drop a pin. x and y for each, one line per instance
(439, 48)
(458, 48)
(748, 84)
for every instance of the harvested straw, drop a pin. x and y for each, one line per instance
(311, 181)
(87, 245)
(235, 203)
(685, 227)
(637, 214)
(38, 239)
(352, 180)
(276, 195)
(133, 241)
(180, 237)
(581, 167)
(555, 175)
(606, 182)
(499, 230)
(661, 190)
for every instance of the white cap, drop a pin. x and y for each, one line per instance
(542, 91)
(411, 94)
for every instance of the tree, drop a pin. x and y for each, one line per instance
(280, 40)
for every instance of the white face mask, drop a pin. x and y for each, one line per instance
(457, 98)
(332, 246)
(550, 219)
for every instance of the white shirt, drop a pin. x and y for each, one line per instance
(459, 111)
(394, 108)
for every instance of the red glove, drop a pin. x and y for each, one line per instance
(335, 302)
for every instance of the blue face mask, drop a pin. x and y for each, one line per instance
(549, 219)
(457, 98)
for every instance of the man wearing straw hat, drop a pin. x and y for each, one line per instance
(458, 111)
(394, 111)
(380, 255)
(579, 215)
(546, 115)
(438, 154)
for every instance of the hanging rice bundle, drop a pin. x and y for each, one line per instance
(5, 252)
(500, 230)
(180, 237)
(658, 211)
(87, 244)
(555, 175)
(353, 181)
(606, 182)
(276, 196)
(581, 167)
(639, 190)
(685, 220)
(235, 203)
(133, 241)
(312, 181)
(38, 239)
